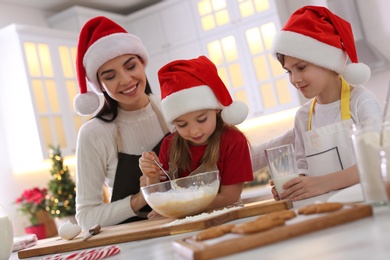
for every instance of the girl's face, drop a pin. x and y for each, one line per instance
(196, 127)
(124, 80)
(313, 81)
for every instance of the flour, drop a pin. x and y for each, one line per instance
(183, 194)
(6, 236)
(201, 216)
(181, 202)
(367, 150)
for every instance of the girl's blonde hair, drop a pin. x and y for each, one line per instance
(180, 153)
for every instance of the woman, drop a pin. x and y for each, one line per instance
(113, 63)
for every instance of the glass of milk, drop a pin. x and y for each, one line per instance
(282, 165)
(369, 140)
(6, 235)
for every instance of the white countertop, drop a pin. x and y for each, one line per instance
(368, 238)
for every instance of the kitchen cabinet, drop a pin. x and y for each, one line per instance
(38, 84)
(168, 32)
(185, 51)
(164, 26)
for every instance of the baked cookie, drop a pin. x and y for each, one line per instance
(320, 208)
(214, 232)
(257, 225)
(284, 215)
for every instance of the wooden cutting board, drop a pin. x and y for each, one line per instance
(150, 229)
(228, 244)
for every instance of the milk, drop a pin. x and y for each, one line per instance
(6, 235)
(282, 165)
(282, 179)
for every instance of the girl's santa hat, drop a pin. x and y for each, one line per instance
(192, 85)
(100, 40)
(316, 35)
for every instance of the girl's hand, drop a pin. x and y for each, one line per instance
(154, 215)
(143, 181)
(150, 169)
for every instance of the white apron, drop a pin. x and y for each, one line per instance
(329, 149)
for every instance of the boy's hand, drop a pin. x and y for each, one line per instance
(273, 190)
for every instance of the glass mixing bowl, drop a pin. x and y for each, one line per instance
(183, 197)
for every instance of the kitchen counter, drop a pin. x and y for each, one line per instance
(368, 238)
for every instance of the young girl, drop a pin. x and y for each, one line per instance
(197, 103)
(113, 63)
(313, 47)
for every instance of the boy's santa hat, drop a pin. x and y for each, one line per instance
(100, 40)
(192, 85)
(316, 35)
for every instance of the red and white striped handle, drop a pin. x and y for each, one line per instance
(92, 254)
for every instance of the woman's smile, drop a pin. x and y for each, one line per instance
(130, 91)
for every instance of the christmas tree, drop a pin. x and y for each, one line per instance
(62, 189)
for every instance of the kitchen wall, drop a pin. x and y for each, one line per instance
(376, 26)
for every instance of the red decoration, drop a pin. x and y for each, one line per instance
(38, 230)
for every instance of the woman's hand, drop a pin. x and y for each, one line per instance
(149, 168)
(137, 201)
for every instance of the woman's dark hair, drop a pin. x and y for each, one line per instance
(109, 111)
(280, 58)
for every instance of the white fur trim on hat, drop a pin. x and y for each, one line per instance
(198, 98)
(311, 50)
(357, 73)
(189, 100)
(235, 113)
(86, 104)
(107, 48)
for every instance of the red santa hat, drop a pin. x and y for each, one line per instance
(191, 85)
(100, 40)
(316, 35)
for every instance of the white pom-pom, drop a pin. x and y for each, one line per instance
(357, 73)
(86, 104)
(235, 113)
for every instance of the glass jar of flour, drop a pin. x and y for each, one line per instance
(369, 139)
(6, 234)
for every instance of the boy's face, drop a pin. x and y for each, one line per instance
(312, 80)
(196, 127)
